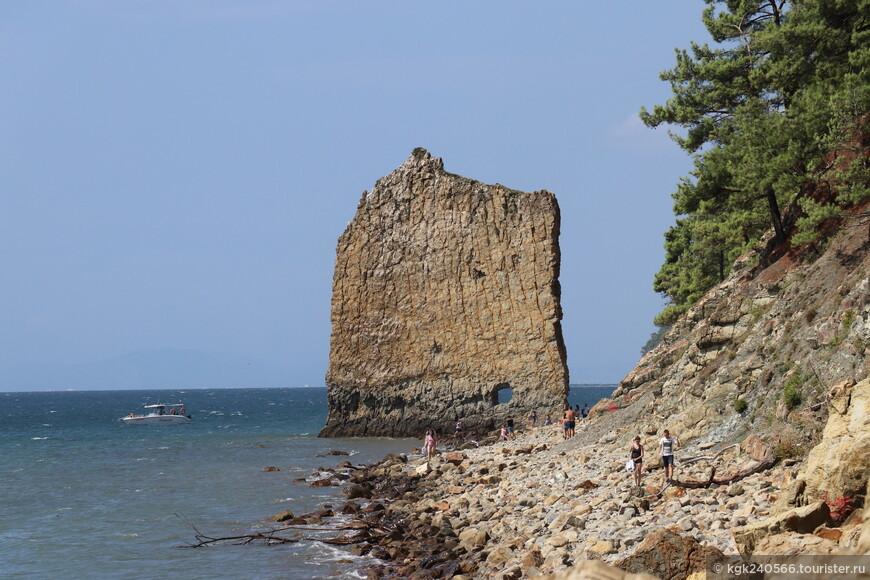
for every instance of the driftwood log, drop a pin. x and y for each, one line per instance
(766, 463)
(270, 538)
(689, 460)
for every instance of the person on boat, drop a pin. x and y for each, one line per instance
(172, 411)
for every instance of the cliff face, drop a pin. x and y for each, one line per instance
(445, 292)
(770, 351)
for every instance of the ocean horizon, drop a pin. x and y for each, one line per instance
(86, 496)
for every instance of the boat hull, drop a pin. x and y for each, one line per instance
(157, 420)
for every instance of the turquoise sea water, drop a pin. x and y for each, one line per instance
(589, 395)
(84, 496)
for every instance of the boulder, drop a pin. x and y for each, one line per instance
(863, 546)
(499, 557)
(473, 538)
(833, 534)
(756, 448)
(838, 464)
(802, 520)
(323, 483)
(557, 541)
(358, 490)
(791, 544)
(595, 570)
(669, 556)
(454, 457)
(532, 559)
(602, 548)
(282, 517)
(271, 468)
(734, 490)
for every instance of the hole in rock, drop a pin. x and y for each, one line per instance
(502, 394)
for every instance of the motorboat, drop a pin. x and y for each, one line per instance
(159, 415)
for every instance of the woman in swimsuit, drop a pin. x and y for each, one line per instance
(430, 443)
(637, 456)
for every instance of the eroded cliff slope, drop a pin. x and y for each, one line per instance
(770, 352)
(445, 292)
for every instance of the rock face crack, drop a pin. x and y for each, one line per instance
(445, 291)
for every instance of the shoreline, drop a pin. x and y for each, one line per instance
(541, 505)
(531, 506)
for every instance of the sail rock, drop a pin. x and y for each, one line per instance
(445, 293)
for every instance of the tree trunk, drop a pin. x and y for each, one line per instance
(775, 216)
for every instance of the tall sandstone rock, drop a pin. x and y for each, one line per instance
(446, 291)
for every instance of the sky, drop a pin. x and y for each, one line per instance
(174, 175)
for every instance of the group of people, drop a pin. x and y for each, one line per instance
(666, 448)
(507, 429)
(666, 445)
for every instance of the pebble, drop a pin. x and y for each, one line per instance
(560, 502)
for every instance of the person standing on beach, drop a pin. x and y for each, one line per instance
(636, 452)
(509, 423)
(430, 442)
(565, 415)
(667, 446)
(533, 418)
(570, 421)
(584, 412)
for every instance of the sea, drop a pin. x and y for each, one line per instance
(82, 495)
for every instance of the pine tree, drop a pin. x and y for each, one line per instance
(775, 110)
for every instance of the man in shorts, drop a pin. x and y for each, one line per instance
(667, 446)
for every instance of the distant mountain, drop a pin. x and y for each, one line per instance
(153, 368)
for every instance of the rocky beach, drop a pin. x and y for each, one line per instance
(540, 505)
(764, 383)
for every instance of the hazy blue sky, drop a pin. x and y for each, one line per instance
(175, 174)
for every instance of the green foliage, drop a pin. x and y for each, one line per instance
(846, 323)
(848, 320)
(654, 339)
(786, 449)
(791, 390)
(740, 405)
(774, 114)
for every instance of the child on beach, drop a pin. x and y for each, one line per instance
(504, 436)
